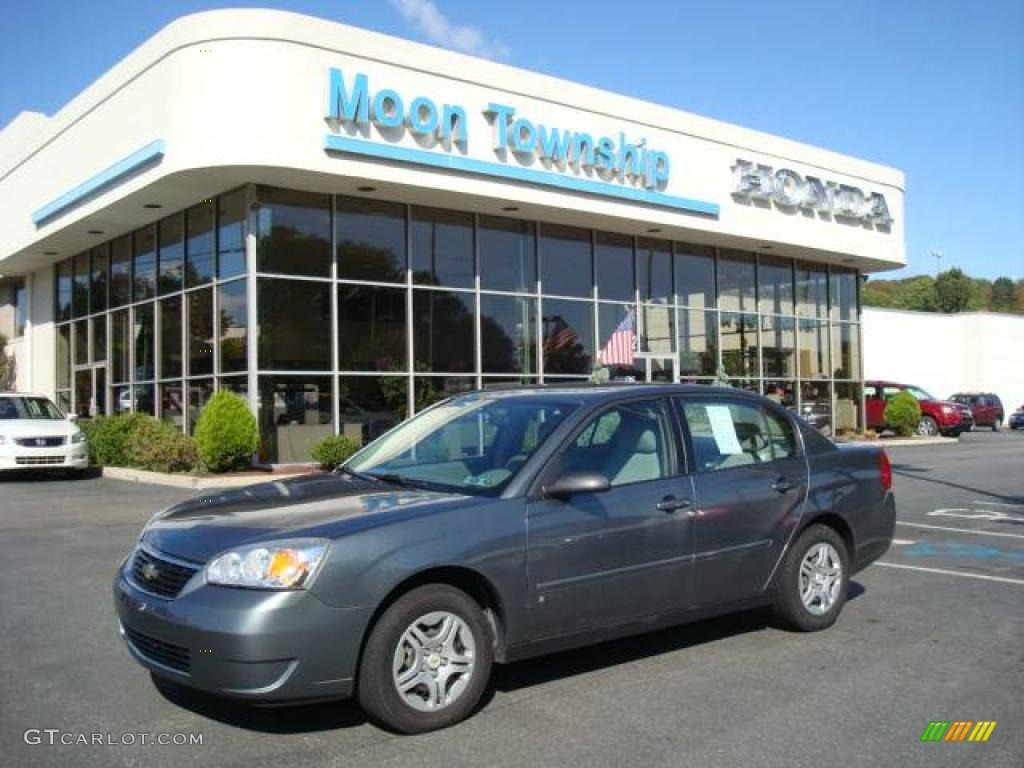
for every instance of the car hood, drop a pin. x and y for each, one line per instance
(326, 506)
(36, 428)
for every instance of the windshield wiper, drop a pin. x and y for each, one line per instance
(406, 482)
(352, 473)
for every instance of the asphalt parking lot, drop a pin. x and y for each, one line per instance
(935, 631)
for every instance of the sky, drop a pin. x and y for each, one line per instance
(935, 89)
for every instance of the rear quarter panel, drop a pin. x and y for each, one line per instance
(847, 483)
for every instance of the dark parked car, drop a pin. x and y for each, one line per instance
(986, 408)
(496, 526)
(1017, 419)
(938, 417)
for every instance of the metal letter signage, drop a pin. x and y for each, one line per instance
(791, 191)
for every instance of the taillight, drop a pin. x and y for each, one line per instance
(886, 469)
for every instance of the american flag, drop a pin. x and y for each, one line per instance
(619, 350)
(560, 335)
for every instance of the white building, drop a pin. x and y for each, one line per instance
(947, 354)
(343, 226)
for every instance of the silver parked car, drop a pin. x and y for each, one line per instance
(496, 526)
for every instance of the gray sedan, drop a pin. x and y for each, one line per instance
(497, 526)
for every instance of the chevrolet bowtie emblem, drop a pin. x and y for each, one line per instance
(150, 572)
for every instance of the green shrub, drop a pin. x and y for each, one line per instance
(226, 434)
(106, 437)
(903, 414)
(331, 452)
(159, 447)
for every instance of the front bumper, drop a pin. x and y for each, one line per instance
(261, 646)
(68, 456)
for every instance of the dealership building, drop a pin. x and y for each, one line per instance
(344, 227)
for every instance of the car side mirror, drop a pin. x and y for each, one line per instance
(73, 418)
(577, 482)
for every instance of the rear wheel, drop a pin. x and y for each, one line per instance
(810, 590)
(927, 427)
(427, 660)
(996, 424)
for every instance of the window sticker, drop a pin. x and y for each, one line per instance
(722, 427)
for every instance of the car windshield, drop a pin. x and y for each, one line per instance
(473, 444)
(29, 408)
(919, 393)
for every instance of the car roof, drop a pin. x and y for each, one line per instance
(592, 392)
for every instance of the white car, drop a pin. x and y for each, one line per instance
(35, 433)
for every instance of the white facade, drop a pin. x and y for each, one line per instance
(947, 354)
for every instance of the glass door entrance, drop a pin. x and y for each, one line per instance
(661, 370)
(89, 393)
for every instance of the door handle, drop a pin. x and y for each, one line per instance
(783, 484)
(671, 504)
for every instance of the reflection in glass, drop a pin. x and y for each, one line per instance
(81, 330)
(565, 268)
(144, 264)
(443, 332)
(848, 407)
(237, 384)
(294, 325)
(83, 405)
(738, 334)
(371, 240)
(371, 405)
(200, 332)
(122, 399)
(65, 278)
(293, 232)
(813, 349)
(371, 328)
(442, 248)
(432, 389)
(507, 255)
(846, 351)
(100, 273)
(816, 405)
(172, 404)
(63, 373)
(617, 340)
(170, 338)
(843, 291)
(658, 329)
(295, 414)
(145, 343)
(144, 402)
(99, 338)
(199, 246)
(775, 285)
(695, 275)
(508, 330)
(234, 325)
(231, 234)
(736, 281)
(781, 391)
(568, 336)
(121, 344)
(199, 393)
(121, 271)
(654, 270)
(698, 342)
(778, 346)
(171, 236)
(80, 286)
(811, 290)
(613, 262)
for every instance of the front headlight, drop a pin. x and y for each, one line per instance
(287, 564)
(78, 437)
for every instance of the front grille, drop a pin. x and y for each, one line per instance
(159, 576)
(167, 654)
(39, 461)
(40, 442)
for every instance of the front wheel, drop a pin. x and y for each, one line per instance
(810, 590)
(427, 661)
(927, 427)
(996, 425)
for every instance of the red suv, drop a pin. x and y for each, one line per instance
(937, 416)
(986, 408)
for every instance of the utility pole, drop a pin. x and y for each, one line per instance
(937, 255)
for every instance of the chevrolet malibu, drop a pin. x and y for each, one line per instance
(497, 526)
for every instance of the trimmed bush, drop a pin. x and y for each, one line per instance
(106, 437)
(159, 447)
(903, 414)
(226, 434)
(331, 452)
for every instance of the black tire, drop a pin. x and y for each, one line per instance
(995, 425)
(377, 692)
(789, 607)
(928, 427)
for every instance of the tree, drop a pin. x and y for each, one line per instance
(953, 291)
(1003, 295)
(919, 294)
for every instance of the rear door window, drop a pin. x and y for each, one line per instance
(731, 434)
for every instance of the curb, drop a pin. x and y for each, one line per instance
(901, 442)
(192, 481)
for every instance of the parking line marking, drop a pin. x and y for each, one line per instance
(962, 530)
(944, 572)
(902, 541)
